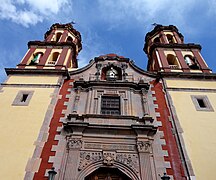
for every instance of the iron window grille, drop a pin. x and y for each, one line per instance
(110, 105)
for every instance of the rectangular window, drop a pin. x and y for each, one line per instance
(202, 103)
(110, 105)
(22, 98)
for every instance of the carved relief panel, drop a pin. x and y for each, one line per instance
(109, 158)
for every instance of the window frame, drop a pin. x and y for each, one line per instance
(204, 98)
(18, 99)
(105, 108)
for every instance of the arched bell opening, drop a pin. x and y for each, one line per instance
(170, 38)
(58, 36)
(191, 62)
(111, 73)
(36, 58)
(172, 61)
(69, 39)
(157, 40)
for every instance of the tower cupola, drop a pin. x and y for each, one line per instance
(167, 52)
(58, 50)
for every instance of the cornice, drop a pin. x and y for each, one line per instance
(173, 46)
(107, 57)
(82, 69)
(159, 28)
(136, 86)
(10, 71)
(141, 125)
(31, 85)
(147, 73)
(184, 75)
(52, 43)
(82, 117)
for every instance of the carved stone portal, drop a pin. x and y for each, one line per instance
(109, 158)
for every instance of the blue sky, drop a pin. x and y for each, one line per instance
(106, 26)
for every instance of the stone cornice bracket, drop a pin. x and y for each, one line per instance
(75, 127)
(144, 146)
(144, 130)
(73, 143)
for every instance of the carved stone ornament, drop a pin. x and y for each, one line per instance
(144, 146)
(87, 158)
(109, 158)
(130, 160)
(74, 143)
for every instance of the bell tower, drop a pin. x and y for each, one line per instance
(58, 50)
(29, 96)
(167, 52)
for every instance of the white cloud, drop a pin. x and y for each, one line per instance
(47, 6)
(212, 7)
(30, 12)
(92, 47)
(145, 11)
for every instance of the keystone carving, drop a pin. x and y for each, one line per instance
(109, 158)
(144, 146)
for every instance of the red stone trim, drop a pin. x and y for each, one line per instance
(179, 41)
(163, 38)
(176, 169)
(64, 36)
(69, 60)
(156, 61)
(164, 61)
(27, 56)
(62, 58)
(200, 60)
(74, 60)
(49, 37)
(44, 58)
(54, 125)
(182, 62)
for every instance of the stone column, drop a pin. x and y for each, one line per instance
(144, 150)
(74, 145)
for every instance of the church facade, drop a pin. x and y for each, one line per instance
(109, 120)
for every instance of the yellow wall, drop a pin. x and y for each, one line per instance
(191, 84)
(36, 79)
(198, 126)
(20, 125)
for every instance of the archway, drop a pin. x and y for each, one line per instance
(107, 174)
(119, 167)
